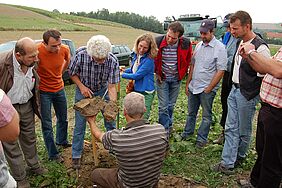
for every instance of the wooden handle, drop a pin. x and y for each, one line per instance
(94, 147)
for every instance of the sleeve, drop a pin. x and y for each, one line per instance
(221, 63)
(142, 71)
(263, 50)
(67, 55)
(7, 110)
(114, 75)
(74, 68)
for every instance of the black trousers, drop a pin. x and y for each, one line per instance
(225, 90)
(267, 171)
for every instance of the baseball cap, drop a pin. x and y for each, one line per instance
(226, 20)
(206, 25)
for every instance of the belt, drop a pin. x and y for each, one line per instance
(236, 85)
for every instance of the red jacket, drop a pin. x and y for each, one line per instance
(184, 54)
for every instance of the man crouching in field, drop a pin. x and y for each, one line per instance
(139, 148)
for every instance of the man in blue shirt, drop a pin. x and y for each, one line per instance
(95, 71)
(207, 68)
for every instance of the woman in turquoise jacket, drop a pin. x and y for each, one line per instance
(142, 69)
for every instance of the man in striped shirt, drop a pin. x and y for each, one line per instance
(140, 148)
(95, 71)
(267, 171)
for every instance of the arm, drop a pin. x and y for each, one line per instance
(98, 134)
(259, 62)
(85, 91)
(189, 78)
(67, 60)
(112, 92)
(143, 70)
(216, 78)
(9, 119)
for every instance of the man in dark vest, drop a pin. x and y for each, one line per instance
(243, 97)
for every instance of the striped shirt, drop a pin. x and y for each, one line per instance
(271, 88)
(93, 75)
(169, 58)
(140, 150)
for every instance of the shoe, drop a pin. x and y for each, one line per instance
(239, 161)
(23, 184)
(58, 159)
(67, 145)
(200, 144)
(39, 171)
(76, 163)
(219, 140)
(186, 137)
(220, 168)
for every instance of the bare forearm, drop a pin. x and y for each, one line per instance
(98, 134)
(265, 65)
(218, 75)
(112, 92)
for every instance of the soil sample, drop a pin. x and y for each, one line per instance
(90, 106)
(110, 111)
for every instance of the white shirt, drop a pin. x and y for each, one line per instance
(21, 90)
(262, 49)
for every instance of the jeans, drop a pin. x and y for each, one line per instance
(194, 102)
(58, 99)
(80, 124)
(167, 92)
(238, 127)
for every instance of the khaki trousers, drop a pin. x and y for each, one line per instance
(24, 146)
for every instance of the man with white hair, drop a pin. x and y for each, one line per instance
(140, 148)
(95, 71)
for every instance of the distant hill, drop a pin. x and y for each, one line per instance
(15, 17)
(268, 26)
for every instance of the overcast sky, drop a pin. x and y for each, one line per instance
(262, 11)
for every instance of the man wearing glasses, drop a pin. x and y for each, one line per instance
(171, 66)
(54, 58)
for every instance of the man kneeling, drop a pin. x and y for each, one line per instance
(140, 148)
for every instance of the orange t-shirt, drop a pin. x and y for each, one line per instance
(50, 68)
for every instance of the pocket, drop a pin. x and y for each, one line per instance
(210, 63)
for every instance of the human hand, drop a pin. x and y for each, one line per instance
(159, 79)
(244, 49)
(85, 91)
(91, 119)
(187, 89)
(207, 90)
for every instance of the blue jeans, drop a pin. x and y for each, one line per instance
(167, 95)
(238, 127)
(194, 102)
(80, 124)
(58, 99)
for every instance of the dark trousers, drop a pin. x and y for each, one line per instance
(225, 90)
(267, 171)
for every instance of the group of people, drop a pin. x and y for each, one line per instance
(242, 58)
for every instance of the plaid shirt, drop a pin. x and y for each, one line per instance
(271, 88)
(93, 75)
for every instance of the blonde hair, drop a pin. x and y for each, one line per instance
(153, 49)
(99, 46)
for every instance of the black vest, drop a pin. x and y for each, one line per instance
(248, 80)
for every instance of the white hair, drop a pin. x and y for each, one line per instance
(99, 46)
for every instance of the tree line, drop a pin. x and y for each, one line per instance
(131, 19)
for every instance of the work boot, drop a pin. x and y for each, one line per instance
(38, 171)
(219, 167)
(76, 163)
(23, 184)
(58, 159)
(220, 139)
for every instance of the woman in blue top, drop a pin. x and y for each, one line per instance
(142, 69)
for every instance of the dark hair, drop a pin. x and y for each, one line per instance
(243, 16)
(19, 47)
(51, 33)
(176, 27)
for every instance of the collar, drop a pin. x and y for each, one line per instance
(136, 123)
(212, 43)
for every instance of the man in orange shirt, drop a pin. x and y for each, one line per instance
(54, 58)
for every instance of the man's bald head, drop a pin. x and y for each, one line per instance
(24, 44)
(26, 52)
(134, 105)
